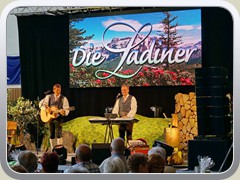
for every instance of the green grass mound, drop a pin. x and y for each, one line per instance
(150, 129)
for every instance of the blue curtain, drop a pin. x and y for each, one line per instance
(13, 70)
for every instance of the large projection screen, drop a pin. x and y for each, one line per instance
(140, 49)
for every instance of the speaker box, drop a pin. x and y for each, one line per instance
(202, 80)
(212, 101)
(212, 104)
(100, 151)
(214, 126)
(215, 149)
(211, 91)
(215, 111)
(213, 72)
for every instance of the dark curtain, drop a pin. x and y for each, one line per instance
(44, 61)
(43, 44)
(217, 40)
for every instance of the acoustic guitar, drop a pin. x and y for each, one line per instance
(46, 116)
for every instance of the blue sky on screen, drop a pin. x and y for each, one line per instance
(189, 25)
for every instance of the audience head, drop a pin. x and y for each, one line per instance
(117, 146)
(28, 160)
(114, 165)
(10, 153)
(158, 150)
(156, 163)
(8, 148)
(138, 163)
(19, 168)
(77, 170)
(49, 161)
(83, 153)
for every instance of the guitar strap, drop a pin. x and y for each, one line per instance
(61, 101)
(49, 101)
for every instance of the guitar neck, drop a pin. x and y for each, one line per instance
(67, 109)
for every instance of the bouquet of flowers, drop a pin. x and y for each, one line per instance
(205, 163)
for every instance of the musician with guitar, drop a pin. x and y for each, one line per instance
(54, 107)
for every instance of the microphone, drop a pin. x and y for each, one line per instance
(47, 92)
(118, 95)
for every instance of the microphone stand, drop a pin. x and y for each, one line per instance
(37, 134)
(43, 101)
(117, 97)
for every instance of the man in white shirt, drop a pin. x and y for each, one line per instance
(125, 107)
(56, 105)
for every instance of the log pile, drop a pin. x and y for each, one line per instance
(186, 115)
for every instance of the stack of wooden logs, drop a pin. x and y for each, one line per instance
(186, 114)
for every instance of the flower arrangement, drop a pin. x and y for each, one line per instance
(23, 111)
(147, 76)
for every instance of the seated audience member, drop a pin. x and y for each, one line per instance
(28, 160)
(138, 163)
(83, 159)
(162, 152)
(11, 155)
(49, 162)
(19, 168)
(78, 170)
(117, 149)
(114, 165)
(9, 158)
(156, 164)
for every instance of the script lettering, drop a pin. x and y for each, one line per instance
(89, 58)
(131, 54)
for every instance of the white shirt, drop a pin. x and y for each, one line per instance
(45, 101)
(133, 110)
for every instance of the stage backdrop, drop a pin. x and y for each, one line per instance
(144, 49)
(44, 52)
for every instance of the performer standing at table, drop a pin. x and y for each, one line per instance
(125, 107)
(56, 100)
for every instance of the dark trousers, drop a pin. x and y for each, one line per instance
(123, 128)
(55, 128)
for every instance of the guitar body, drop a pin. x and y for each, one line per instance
(46, 116)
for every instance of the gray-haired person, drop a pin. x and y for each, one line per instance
(28, 160)
(117, 149)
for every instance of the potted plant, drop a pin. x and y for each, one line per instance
(24, 112)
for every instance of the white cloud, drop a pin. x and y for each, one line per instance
(190, 40)
(95, 42)
(157, 27)
(122, 28)
(186, 27)
(199, 27)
